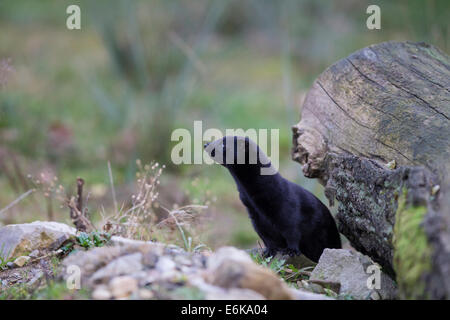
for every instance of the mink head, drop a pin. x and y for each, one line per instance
(237, 153)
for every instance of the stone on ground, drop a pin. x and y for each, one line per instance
(352, 270)
(21, 239)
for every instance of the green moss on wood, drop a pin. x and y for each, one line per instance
(412, 254)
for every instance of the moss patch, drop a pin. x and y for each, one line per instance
(412, 254)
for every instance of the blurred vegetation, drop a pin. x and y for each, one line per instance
(115, 90)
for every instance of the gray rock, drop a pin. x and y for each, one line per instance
(227, 253)
(121, 241)
(92, 260)
(19, 239)
(165, 264)
(182, 260)
(352, 270)
(126, 270)
(39, 274)
(149, 259)
(166, 268)
(126, 264)
(58, 243)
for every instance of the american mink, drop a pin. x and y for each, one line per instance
(288, 218)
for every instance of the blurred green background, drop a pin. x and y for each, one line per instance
(70, 101)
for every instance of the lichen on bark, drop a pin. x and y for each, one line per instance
(412, 252)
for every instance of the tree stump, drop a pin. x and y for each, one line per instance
(375, 130)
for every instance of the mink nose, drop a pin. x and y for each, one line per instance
(205, 145)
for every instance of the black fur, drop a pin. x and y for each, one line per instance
(288, 218)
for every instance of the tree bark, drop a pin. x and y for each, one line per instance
(375, 130)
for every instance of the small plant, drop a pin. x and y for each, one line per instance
(180, 218)
(136, 222)
(90, 240)
(140, 220)
(293, 274)
(100, 238)
(47, 185)
(84, 240)
(54, 290)
(4, 261)
(273, 263)
(288, 272)
(67, 248)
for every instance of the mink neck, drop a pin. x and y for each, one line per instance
(253, 182)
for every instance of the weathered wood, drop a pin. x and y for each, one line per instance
(375, 130)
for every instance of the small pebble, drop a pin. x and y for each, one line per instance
(391, 164)
(375, 295)
(145, 294)
(122, 287)
(330, 293)
(435, 189)
(165, 264)
(182, 260)
(316, 288)
(101, 293)
(34, 254)
(150, 259)
(305, 284)
(21, 261)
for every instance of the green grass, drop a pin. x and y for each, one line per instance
(52, 291)
(4, 261)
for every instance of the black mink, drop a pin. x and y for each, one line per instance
(288, 218)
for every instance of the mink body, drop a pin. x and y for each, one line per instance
(288, 218)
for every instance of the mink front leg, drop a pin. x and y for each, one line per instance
(291, 252)
(293, 243)
(269, 252)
